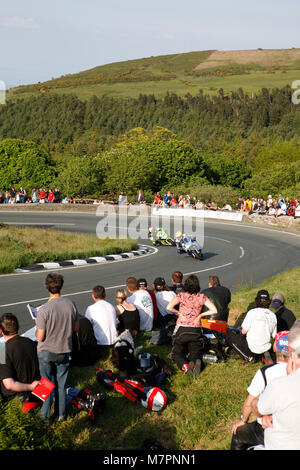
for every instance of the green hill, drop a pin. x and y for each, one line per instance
(179, 73)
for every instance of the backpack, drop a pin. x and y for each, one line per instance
(123, 353)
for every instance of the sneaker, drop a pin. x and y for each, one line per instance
(197, 367)
(184, 368)
(190, 369)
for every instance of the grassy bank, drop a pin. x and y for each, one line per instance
(199, 413)
(23, 246)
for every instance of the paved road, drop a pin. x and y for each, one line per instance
(236, 252)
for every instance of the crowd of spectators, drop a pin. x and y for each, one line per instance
(139, 308)
(36, 196)
(272, 206)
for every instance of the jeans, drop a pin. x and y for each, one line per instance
(55, 367)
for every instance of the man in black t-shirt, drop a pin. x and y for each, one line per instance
(220, 296)
(285, 317)
(20, 373)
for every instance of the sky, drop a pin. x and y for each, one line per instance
(44, 39)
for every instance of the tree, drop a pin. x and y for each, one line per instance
(81, 176)
(23, 163)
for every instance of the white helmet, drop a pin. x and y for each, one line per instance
(155, 399)
(151, 230)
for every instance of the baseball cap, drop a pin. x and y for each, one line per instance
(277, 300)
(281, 341)
(159, 282)
(263, 294)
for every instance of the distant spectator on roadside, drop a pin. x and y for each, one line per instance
(35, 195)
(285, 317)
(6, 197)
(269, 201)
(227, 207)
(122, 199)
(248, 204)
(42, 196)
(140, 199)
(157, 199)
(143, 302)
(246, 434)
(240, 204)
(22, 195)
(13, 194)
(50, 197)
(280, 200)
(103, 317)
(57, 197)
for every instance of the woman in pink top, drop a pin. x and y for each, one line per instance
(188, 336)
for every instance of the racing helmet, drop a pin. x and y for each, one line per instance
(155, 399)
(151, 230)
(145, 363)
(178, 234)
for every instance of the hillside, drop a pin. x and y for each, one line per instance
(179, 73)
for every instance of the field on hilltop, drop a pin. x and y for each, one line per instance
(179, 73)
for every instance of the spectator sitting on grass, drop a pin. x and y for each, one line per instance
(245, 434)
(127, 314)
(163, 296)
(143, 302)
(20, 373)
(103, 317)
(285, 317)
(279, 403)
(258, 329)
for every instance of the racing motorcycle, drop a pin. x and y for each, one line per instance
(158, 236)
(189, 245)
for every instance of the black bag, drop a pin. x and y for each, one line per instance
(122, 356)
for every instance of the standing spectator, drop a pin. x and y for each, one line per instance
(143, 302)
(51, 196)
(285, 317)
(122, 198)
(22, 195)
(35, 195)
(245, 434)
(220, 297)
(258, 329)
(140, 199)
(57, 198)
(6, 197)
(279, 404)
(13, 194)
(103, 317)
(20, 373)
(42, 196)
(56, 321)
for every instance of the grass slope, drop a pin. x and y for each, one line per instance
(24, 246)
(200, 411)
(179, 73)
